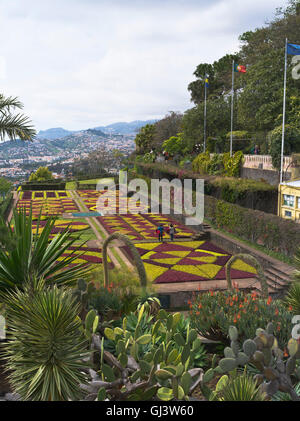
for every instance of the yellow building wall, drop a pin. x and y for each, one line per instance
(295, 210)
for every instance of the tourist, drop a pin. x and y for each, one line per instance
(256, 150)
(172, 231)
(160, 232)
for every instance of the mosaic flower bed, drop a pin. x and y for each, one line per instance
(141, 226)
(56, 194)
(50, 202)
(60, 225)
(90, 198)
(188, 261)
(90, 255)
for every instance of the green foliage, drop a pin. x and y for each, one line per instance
(120, 297)
(149, 157)
(232, 164)
(159, 362)
(35, 256)
(215, 311)
(174, 145)
(41, 174)
(144, 139)
(236, 388)
(271, 231)
(201, 162)
(241, 140)
(292, 298)
(5, 186)
(14, 126)
(218, 164)
(258, 93)
(291, 143)
(46, 345)
(275, 374)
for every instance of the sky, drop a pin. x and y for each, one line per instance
(79, 64)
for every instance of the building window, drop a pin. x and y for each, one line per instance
(288, 214)
(298, 202)
(288, 200)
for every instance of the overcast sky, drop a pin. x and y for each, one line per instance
(83, 63)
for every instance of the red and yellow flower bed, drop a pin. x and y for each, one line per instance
(114, 202)
(86, 255)
(188, 261)
(49, 202)
(141, 226)
(60, 225)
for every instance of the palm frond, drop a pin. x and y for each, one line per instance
(16, 126)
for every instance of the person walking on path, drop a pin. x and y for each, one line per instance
(160, 232)
(172, 231)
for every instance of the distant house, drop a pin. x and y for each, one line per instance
(289, 200)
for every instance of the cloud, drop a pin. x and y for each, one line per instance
(84, 63)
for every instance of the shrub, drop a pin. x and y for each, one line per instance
(46, 345)
(232, 164)
(201, 162)
(291, 143)
(218, 164)
(271, 231)
(236, 388)
(213, 312)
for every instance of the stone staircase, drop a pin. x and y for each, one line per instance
(279, 277)
(278, 274)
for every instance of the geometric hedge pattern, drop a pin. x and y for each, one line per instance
(142, 226)
(112, 202)
(49, 203)
(188, 261)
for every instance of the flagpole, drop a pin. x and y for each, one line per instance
(204, 142)
(232, 95)
(283, 112)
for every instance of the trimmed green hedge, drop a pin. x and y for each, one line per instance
(271, 231)
(248, 193)
(44, 185)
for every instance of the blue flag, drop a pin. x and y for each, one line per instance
(293, 49)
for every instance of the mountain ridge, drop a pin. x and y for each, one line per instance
(115, 128)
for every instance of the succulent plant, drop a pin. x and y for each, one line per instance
(163, 371)
(264, 354)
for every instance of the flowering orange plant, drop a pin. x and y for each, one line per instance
(213, 312)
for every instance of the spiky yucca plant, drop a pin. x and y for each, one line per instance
(36, 256)
(46, 345)
(237, 387)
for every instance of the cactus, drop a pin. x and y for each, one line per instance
(253, 262)
(264, 354)
(146, 368)
(135, 254)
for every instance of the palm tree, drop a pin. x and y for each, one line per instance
(14, 125)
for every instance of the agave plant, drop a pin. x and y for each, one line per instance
(46, 345)
(238, 387)
(35, 256)
(293, 297)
